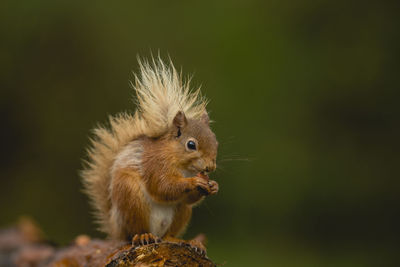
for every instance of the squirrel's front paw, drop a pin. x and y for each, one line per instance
(213, 187)
(201, 185)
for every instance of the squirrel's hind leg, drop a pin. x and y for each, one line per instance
(181, 219)
(129, 212)
(182, 216)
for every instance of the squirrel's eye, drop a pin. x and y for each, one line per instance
(191, 145)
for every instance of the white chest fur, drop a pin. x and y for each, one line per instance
(161, 217)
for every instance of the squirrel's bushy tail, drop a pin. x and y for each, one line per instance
(160, 94)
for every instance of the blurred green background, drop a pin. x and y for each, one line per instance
(305, 95)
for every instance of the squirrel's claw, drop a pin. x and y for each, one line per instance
(136, 241)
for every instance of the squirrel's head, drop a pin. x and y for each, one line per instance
(195, 144)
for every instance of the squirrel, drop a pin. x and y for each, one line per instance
(146, 170)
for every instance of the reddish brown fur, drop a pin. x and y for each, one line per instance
(125, 198)
(142, 174)
(163, 161)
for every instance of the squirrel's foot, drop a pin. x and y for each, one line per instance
(196, 243)
(145, 239)
(197, 246)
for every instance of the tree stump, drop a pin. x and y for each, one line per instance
(23, 246)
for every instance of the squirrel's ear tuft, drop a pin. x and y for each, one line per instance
(205, 118)
(180, 120)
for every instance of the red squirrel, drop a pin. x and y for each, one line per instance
(147, 170)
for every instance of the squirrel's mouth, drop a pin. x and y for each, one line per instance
(192, 171)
